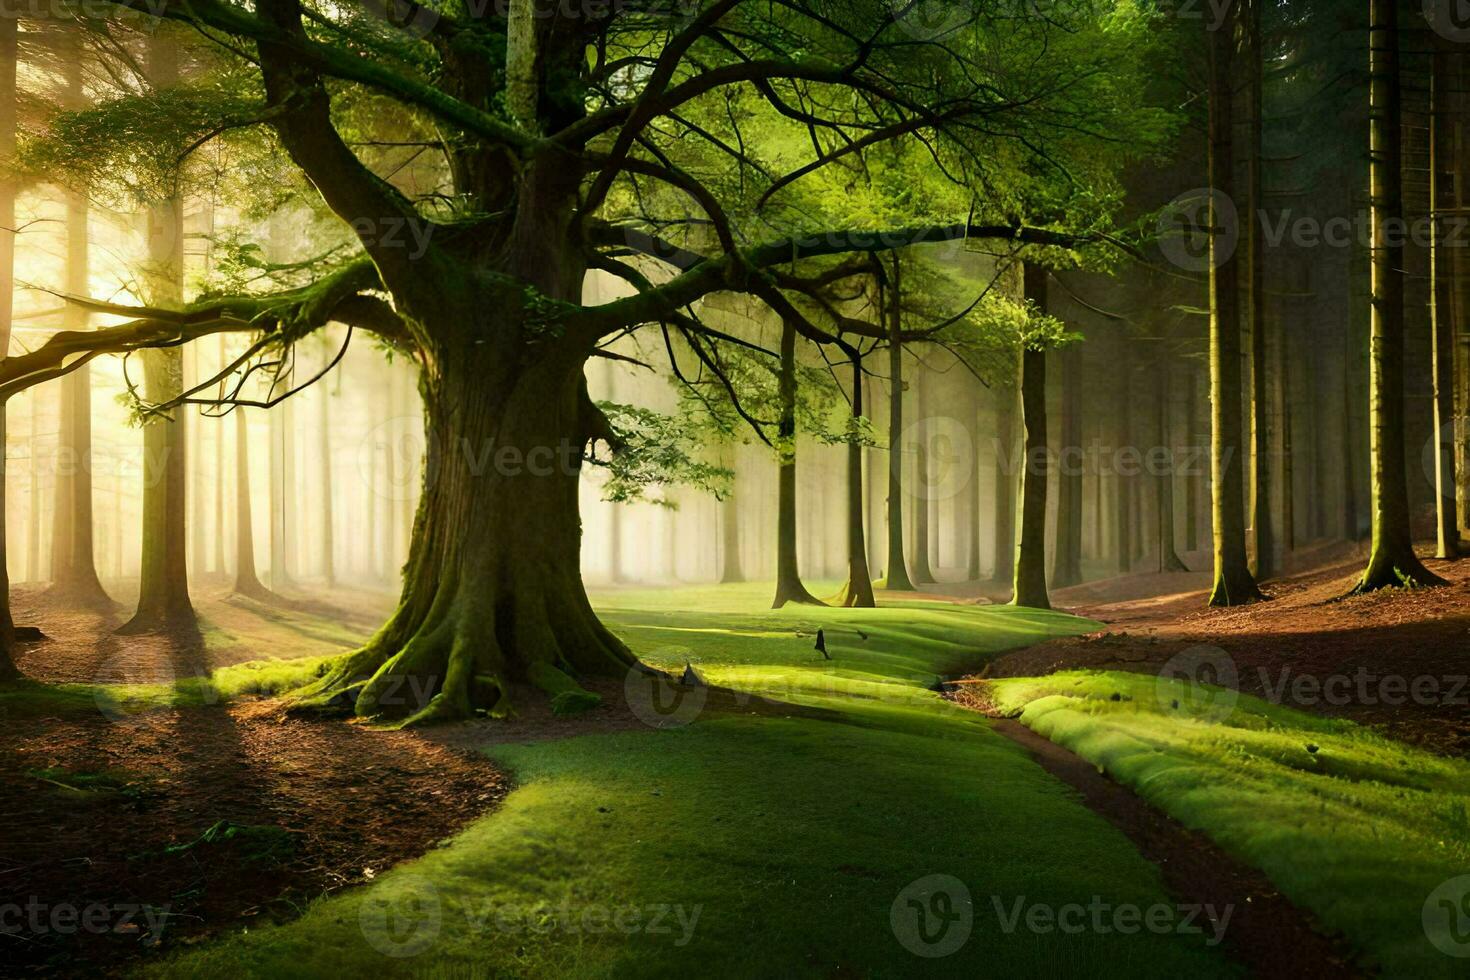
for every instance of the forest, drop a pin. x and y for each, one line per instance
(641, 488)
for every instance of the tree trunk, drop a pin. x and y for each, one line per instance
(1191, 478)
(1392, 561)
(1234, 584)
(897, 578)
(1169, 560)
(789, 587)
(247, 582)
(1123, 504)
(1447, 520)
(1029, 586)
(324, 478)
(1263, 544)
(730, 572)
(1067, 561)
(8, 52)
(1005, 484)
(73, 564)
(859, 589)
(921, 571)
(280, 498)
(480, 620)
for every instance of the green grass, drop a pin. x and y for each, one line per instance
(1355, 827)
(789, 834)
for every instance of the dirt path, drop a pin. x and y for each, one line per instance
(1264, 931)
(1396, 660)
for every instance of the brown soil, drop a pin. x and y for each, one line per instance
(1265, 932)
(1394, 659)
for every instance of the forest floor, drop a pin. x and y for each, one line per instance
(801, 799)
(1398, 661)
(191, 819)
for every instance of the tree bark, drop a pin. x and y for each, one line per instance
(1392, 561)
(1029, 585)
(858, 593)
(247, 582)
(73, 563)
(1447, 520)
(789, 587)
(479, 622)
(1263, 548)
(897, 577)
(730, 571)
(1123, 532)
(1005, 484)
(1192, 478)
(324, 478)
(8, 53)
(1169, 560)
(1234, 584)
(921, 571)
(1067, 561)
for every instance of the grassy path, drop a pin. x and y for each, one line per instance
(766, 844)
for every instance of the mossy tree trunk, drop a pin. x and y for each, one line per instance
(789, 587)
(858, 593)
(1067, 561)
(1234, 584)
(1392, 561)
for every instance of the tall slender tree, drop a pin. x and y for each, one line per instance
(1067, 559)
(1442, 331)
(1029, 586)
(1392, 561)
(859, 589)
(1263, 548)
(247, 581)
(896, 578)
(1234, 583)
(9, 57)
(163, 589)
(789, 587)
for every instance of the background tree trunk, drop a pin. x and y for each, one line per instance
(921, 571)
(8, 56)
(163, 590)
(859, 589)
(1392, 560)
(1123, 503)
(1029, 587)
(324, 478)
(1263, 544)
(73, 565)
(1234, 583)
(1169, 560)
(1067, 561)
(897, 577)
(247, 582)
(730, 572)
(1006, 457)
(789, 587)
(1447, 522)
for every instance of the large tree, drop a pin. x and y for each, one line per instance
(550, 124)
(1392, 561)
